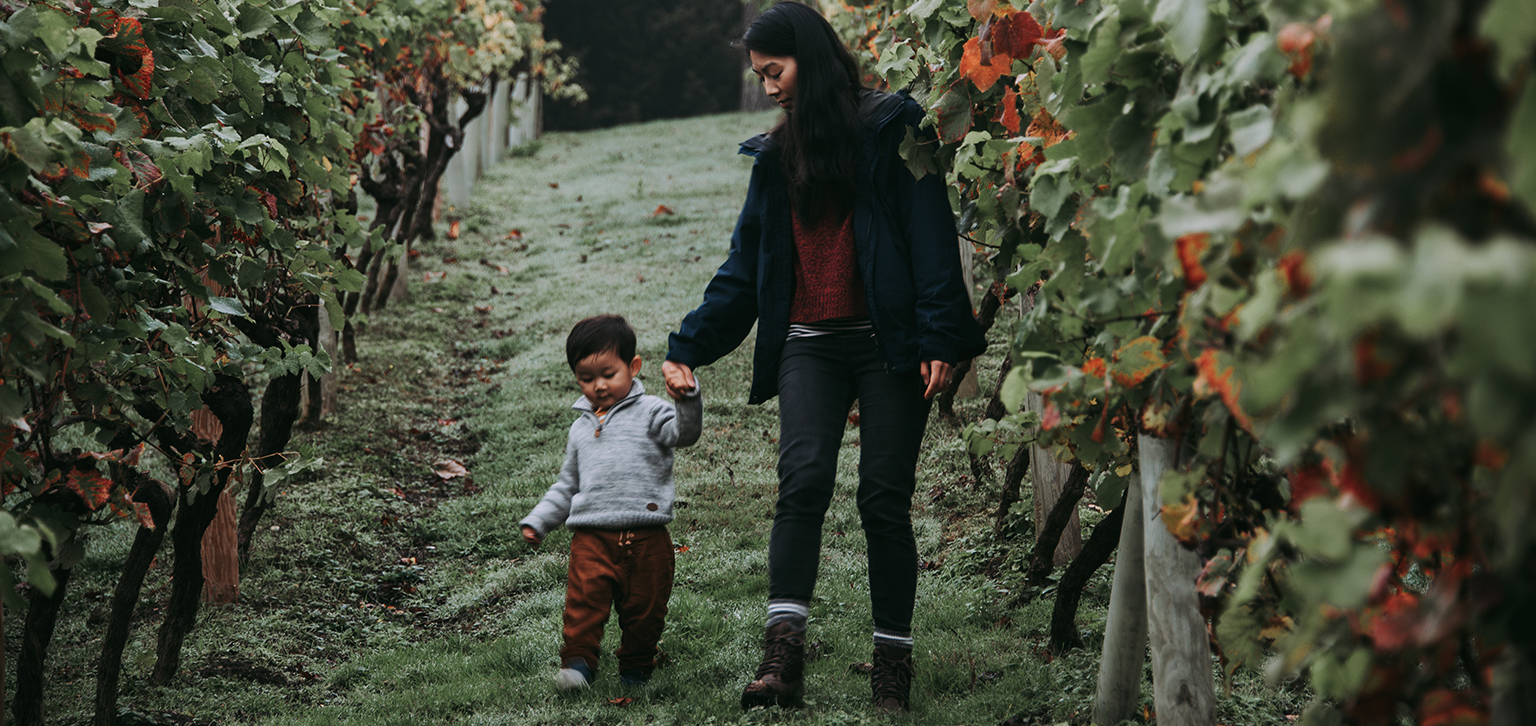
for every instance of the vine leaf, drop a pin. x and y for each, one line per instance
(983, 72)
(1016, 34)
(1009, 115)
(1137, 360)
(954, 113)
(1218, 376)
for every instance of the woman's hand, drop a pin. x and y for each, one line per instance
(531, 536)
(679, 379)
(935, 375)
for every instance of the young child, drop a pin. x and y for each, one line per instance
(615, 494)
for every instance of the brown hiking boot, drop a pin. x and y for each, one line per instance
(780, 678)
(891, 679)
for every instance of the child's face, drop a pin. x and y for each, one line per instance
(605, 379)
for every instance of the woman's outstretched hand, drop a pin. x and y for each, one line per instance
(935, 375)
(679, 378)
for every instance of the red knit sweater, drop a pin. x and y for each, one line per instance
(827, 281)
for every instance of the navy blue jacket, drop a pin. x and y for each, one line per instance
(904, 237)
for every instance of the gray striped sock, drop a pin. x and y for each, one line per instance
(893, 638)
(788, 611)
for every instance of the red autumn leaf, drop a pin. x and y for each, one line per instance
(1444, 707)
(129, 37)
(93, 488)
(1219, 379)
(1016, 35)
(515, 234)
(1044, 127)
(1095, 367)
(621, 702)
(94, 121)
(453, 229)
(1296, 41)
(981, 73)
(1369, 367)
(1050, 418)
(1008, 116)
(1490, 455)
(662, 209)
(1310, 481)
(1190, 247)
(682, 548)
(1293, 268)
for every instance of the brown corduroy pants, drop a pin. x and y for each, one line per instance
(630, 569)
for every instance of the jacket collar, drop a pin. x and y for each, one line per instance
(876, 109)
(636, 390)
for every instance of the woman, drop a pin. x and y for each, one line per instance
(848, 266)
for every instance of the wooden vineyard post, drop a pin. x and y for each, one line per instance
(1183, 689)
(1125, 631)
(1048, 477)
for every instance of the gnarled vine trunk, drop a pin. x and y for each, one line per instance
(146, 542)
(230, 400)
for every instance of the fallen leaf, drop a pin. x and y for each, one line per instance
(554, 185)
(515, 234)
(434, 276)
(482, 309)
(622, 702)
(449, 469)
(662, 209)
(453, 229)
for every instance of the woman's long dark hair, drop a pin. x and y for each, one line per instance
(819, 140)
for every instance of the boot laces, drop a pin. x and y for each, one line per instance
(778, 654)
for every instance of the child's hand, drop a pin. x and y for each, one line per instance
(531, 535)
(679, 379)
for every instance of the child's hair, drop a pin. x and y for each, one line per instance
(600, 334)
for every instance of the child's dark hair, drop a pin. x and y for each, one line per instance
(600, 334)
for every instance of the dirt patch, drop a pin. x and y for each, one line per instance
(246, 670)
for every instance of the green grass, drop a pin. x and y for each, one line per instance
(378, 595)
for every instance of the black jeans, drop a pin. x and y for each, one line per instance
(819, 380)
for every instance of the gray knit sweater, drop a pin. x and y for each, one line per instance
(618, 474)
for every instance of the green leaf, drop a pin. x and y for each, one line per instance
(1511, 25)
(227, 305)
(244, 74)
(921, 9)
(1185, 22)
(1251, 129)
(47, 295)
(953, 111)
(33, 252)
(1104, 50)
(1218, 209)
(1048, 192)
(55, 29)
(1520, 145)
(255, 20)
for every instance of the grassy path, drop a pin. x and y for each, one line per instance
(382, 594)
(587, 209)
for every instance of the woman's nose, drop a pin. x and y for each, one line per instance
(770, 87)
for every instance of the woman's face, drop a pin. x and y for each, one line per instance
(777, 72)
